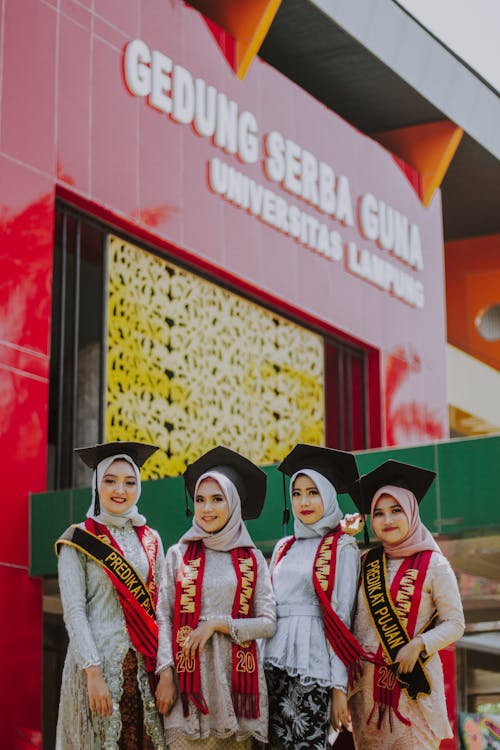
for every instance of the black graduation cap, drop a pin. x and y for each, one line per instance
(413, 478)
(339, 467)
(249, 480)
(94, 454)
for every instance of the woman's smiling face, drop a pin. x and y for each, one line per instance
(118, 489)
(211, 509)
(306, 500)
(389, 521)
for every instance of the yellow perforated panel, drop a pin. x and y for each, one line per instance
(191, 365)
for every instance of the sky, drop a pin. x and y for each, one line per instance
(471, 28)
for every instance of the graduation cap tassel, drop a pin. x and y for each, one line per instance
(286, 512)
(366, 536)
(186, 498)
(97, 502)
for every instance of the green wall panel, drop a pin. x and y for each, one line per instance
(50, 514)
(469, 487)
(463, 500)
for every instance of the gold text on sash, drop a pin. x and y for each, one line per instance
(405, 593)
(323, 562)
(188, 586)
(245, 661)
(247, 584)
(149, 544)
(385, 620)
(124, 573)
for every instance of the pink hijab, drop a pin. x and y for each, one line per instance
(418, 538)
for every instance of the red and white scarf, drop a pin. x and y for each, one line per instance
(337, 633)
(187, 607)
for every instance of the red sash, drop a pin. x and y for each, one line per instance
(403, 604)
(245, 676)
(186, 615)
(337, 633)
(188, 593)
(140, 620)
(138, 600)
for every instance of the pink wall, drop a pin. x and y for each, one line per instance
(69, 124)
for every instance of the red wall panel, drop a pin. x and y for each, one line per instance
(21, 659)
(26, 239)
(26, 247)
(74, 113)
(447, 656)
(28, 83)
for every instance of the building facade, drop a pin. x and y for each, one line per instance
(190, 259)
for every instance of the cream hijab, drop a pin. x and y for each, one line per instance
(115, 519)
(419, 538)
(234, 534)
(332, 515)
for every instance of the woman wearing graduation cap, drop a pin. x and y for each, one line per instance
(215, 600)
(408, 608)
(109, 569)
(315, 578)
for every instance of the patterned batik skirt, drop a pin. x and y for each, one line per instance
(133, 735)
(299, 715)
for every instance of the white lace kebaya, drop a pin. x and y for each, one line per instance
(98, 635)
(299, 646)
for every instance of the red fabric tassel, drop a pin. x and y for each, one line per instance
(186, 615)
(244, 669)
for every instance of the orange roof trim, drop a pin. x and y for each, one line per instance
(247, 21)
(429, 148)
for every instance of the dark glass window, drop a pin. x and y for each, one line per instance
(76, 362)
(346, 397)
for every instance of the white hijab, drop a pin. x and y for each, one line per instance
(115, 519)
(332, 515)
(234, 534)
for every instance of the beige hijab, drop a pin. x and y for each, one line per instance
(234, 534)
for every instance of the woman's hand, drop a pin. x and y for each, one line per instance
(99, 696)
(352, 523)
(407, 655)
(166, 692)
(198, 637)
(339, 714)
